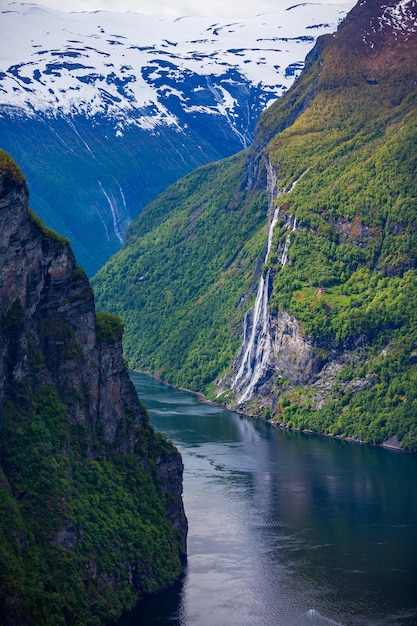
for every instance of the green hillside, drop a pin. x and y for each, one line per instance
(346, 134)
(188, 261)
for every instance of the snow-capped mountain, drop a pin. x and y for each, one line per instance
(153, 70)
(109, 86)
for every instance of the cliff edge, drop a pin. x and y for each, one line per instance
(91, 514)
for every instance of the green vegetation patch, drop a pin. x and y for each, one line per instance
(73, 530)
(48, 232)
(108, 327)
(374, 398)
(7, 163)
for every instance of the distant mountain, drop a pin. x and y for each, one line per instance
(122, 105)
(283, 281)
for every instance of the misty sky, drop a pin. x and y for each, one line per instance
(213, 8)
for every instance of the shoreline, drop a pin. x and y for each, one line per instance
(387, 446)
(390, 444)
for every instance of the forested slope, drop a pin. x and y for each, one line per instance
(337, 156)
(189, 260)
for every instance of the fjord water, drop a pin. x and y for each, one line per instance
(285, 529)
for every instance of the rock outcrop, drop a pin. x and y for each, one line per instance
(295, 357)
(53, 345)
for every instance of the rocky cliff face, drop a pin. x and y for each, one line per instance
(51, 339)
(294, 354)
(40, 274)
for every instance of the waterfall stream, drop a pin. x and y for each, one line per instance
(259, 343)
(284, 255)
(256, 349)
(114, 214)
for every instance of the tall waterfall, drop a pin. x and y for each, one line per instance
(256, 349)
(259, 343)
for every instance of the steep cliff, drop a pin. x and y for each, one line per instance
(347, 213)
(91, 511)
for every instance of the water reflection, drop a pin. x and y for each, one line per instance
(285, 529)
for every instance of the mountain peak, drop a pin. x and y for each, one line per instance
(374, 22)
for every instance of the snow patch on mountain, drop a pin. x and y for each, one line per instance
(400, 17)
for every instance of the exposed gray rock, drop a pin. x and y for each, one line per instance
(295, 358)
(170, 469)
(39, 272)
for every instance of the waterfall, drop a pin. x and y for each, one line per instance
(284, 256)
(114, 211)
(256, 348)
(259, 344)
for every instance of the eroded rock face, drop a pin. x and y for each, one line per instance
(295, 358)
(170, 470)
(296, 361)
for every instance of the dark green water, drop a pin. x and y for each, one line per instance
(285, 529)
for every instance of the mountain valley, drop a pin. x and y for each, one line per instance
(331, 345)
(250, 218)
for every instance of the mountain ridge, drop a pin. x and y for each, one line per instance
(146, 62)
